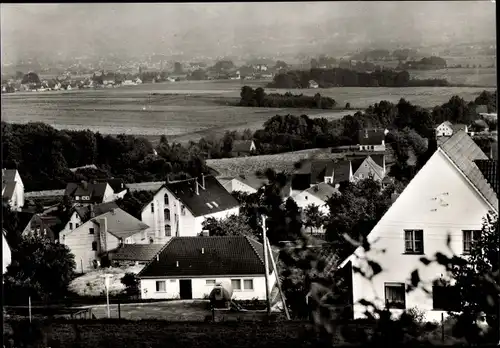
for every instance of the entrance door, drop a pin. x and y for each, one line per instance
(185, 289)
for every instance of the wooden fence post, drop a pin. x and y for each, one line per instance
(442, 327)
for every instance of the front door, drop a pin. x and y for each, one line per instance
(185, 289)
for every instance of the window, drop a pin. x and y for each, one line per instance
(236, 284)
(91, 230)
(395, 295)
(414, 241)
(94, 246)
(166, 199)
(77, 198)
(248, 284)
(445, 298)
(183, 210)
(166, 214)
(361, 175)
(161, 286)
(168, 231)
(469, 237)
(70, 225)
(152, 207)
(210, 282)
(76, 225)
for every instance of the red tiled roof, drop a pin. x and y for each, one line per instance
(221, 256)
(463, 151)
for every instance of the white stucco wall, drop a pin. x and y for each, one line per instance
(156, 220)
(109, 194)
(74, 219)
(438, 185)
(200, 289)
(303, 199)
(444, 130)
(19, 192)
(80, 241)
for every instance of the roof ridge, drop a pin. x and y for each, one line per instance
(254, 250)
(155, 256)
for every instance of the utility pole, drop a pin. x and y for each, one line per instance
(266, 264)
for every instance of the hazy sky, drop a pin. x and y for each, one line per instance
(236, 28)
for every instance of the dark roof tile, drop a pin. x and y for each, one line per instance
(222, 256)
(371, 136)
(136, 252)
(203, 203)
(99, 209)
(489, 169)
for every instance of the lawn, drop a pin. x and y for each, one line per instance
(92, 283)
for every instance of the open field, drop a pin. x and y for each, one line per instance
(191, 109)
(467, 76)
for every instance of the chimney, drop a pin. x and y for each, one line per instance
(203, 250)
(92, 212)
(176, 263)
(203, 181)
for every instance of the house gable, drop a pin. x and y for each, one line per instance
(439, 205)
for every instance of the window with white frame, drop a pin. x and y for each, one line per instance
(248, 284)
(166, 199)
(414, 241)
(91, 230)
(469, 237)
(395, 295)
(236, 284)
(183, 210)
(161, 286)
(210, 282)
(70, 225)
(152, 207)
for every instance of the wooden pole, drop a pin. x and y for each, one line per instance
(29, 307)
(268, 247)
(266, 265)
(442, 327)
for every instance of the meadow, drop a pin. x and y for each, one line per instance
(190, 109)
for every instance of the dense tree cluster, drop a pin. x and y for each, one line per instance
(39, 269)
(339, 77)
(43, 156)
(259, 98)
(427, 63)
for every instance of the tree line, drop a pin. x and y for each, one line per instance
(259, 98)
(338, 77)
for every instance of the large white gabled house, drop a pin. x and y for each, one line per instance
(12, 189)
(179, 208)
(450, 195)
(190, 267)
(102, 233)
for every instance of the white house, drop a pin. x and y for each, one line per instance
(100, 234)
(447, 129)
(12, 189)
(316, 195)
(450, 195)
(83, 213)
(372, 139)
(179, 208)
(189, 267)
(90, 192)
